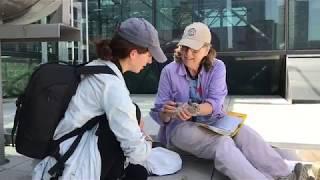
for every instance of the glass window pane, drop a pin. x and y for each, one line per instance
(104, 15)
(260, 75)
(245, 25)
(304, 26)
(18, 62)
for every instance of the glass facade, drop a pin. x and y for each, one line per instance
(249, 36)
(235, 25)
(252, 37)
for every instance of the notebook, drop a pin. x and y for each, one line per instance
(229, 125)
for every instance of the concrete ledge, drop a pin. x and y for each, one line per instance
(39, 32)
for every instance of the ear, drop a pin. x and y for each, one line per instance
(133, 53)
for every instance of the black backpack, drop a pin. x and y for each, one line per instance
(42, 106)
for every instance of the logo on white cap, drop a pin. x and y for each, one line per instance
(191, 32)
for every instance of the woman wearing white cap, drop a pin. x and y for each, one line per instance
(120, 139)
(196, 76)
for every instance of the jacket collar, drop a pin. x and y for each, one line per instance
(183, 72)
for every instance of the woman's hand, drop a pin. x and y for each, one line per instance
(175, 110)
(169, 108)
(141, 124)
(147, 137)
(183, 112)
(168, 111)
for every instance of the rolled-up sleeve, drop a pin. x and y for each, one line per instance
(217, 88)
(122, 121)
(163, 95)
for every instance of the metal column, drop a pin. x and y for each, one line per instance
(2, 158)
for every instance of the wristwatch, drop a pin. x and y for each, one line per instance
(194, 109)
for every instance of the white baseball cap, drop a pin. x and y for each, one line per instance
(195, 36)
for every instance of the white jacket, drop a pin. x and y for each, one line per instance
(97, 94)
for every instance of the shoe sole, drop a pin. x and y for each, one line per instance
(316, 170)
(317, 173)
(301, 172)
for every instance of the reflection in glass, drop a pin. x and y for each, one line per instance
(246, 25)
(235, 25)
(250, 75)
(105, 15)
(304, 24)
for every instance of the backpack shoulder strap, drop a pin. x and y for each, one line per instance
(16, 118)
(95, 70)
(57, 170)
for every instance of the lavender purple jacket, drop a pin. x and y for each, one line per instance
(174, 86)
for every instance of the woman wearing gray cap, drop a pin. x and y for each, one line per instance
(120, 141)
(198, 79)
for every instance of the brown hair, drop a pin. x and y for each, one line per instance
(117, 48)
(207, 61)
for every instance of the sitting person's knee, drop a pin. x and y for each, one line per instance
(224, 145)
(225, 141)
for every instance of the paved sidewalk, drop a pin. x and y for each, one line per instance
(18, 168)
(273, 117)
(279, 122)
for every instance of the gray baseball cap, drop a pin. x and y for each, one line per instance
(140, 32)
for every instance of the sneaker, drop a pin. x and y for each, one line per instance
(301, 171)
(316, 170)
(291, 176)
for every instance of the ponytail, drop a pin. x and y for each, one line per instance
(103, 49)
(117, 48)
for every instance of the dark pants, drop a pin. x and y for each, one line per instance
(135, 172)
(112, 157)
